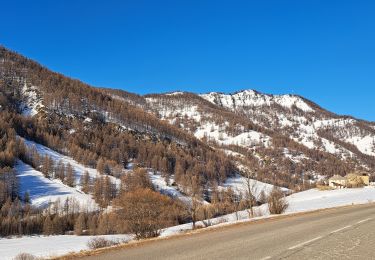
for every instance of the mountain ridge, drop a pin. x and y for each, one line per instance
(262, 128)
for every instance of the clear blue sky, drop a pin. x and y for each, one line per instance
(323, 50)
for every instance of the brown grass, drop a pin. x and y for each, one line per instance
(323, 187)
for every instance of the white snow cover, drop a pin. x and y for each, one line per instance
(314, 199)
(175, 93)
(191, 111)
(43, 190)
(32, 102)
(252, 98)
(308, 136)
(79, 169)
(49, 246)
(160, 185)
(292, 157)
(239, 185)
(245, 139)
(306, 128)
(364, 144)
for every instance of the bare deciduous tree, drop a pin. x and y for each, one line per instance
(276, 201)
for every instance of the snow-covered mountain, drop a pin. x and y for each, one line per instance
(252, 98)
(311, 125)
(284, 135)
(285, 140)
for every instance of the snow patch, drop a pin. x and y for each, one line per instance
(79, 169)
(43, 191)
(160, 185)
(50, 246)
(32, 101)
(218, 134)
(239, 185)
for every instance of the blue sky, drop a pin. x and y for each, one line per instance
(322, 50)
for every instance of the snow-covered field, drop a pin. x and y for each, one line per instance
(298, 202)
(314, 199)
(43, 190)
(49, 246)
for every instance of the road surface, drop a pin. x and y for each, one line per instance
(341, 233)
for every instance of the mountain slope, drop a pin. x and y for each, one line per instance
(283, 139)
(96, 129)
(280, 139)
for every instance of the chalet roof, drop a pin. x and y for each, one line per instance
(337, 178)
(351, 175)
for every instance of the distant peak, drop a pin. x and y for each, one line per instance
(250, 97)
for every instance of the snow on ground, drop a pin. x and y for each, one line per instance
(251, 98)
(308, 137)
(43, 190)
(49, 246)
(170, 112)
(175, 93)
(238, 184)
(298, 202)
(160, 185)
(79, 169)
(334, 122)
(365, 144)
(218, 133)
(231, 153)
(292, 157)
(314, 199)
(33, 102)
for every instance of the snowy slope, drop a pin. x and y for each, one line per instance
(32, 103)
(239, 185)
(79, 169)
(161, 186)
(43, 190)
(251, 98)
(303, 127)
(172, 191)
(217, 133)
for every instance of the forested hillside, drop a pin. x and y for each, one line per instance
(179, 153)
(96, 130)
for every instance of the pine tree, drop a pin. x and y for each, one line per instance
(46, 168)
(85, 182)
(60, 170)
(100, 166)
(48, 226)
(69, 175)
(80, 224)
(26, 197)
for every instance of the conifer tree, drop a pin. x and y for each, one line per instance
(70, 175)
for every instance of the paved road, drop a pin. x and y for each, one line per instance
(343, 233)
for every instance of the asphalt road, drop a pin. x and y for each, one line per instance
(342, 233)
